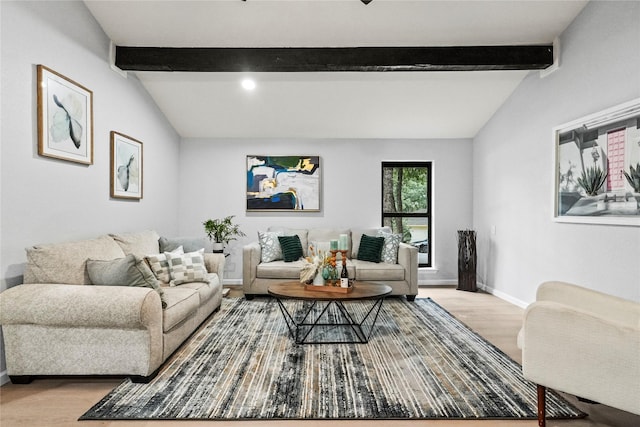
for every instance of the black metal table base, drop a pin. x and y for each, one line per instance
(301, 331)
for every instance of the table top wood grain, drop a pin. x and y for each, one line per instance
(361, 290)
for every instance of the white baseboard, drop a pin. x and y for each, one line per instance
(439, 282)
(4, 377)
(503, 296)
(232, 282)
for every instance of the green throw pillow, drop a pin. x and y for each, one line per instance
(291, 247)
(370, 248)
(128, 271)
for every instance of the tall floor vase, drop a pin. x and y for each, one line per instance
(467, 260)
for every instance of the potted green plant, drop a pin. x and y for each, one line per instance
(633, 177)
(222, 231)
(592, 179)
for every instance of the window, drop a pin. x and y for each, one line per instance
(406, 204)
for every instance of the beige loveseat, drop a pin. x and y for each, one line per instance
(59, 323)
(258, 275)
(582, 342)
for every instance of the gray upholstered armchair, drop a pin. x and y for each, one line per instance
(582, 342)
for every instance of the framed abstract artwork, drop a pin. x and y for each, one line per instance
(65, 118)
(126, 167)
(283, 183)
(597, 167)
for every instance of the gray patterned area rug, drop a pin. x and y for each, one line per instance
(420, 363)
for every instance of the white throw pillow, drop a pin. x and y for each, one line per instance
(159, 264)
(390, 248)
(187, 267)
(270, 245)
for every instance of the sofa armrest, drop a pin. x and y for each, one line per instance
(251, 256)
(594, 302)
(90, 306)
(215, 264)
(575, 351)
(408, 258)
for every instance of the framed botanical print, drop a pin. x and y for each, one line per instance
(126, 167)
(65, 118)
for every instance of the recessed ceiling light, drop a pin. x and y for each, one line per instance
(248, 84)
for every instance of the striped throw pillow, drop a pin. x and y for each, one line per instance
(370, 248)
(291, 247)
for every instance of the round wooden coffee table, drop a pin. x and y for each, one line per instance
(301, 328)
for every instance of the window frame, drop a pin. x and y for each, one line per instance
(428, 165)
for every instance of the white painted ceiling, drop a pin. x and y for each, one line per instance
(331, 105)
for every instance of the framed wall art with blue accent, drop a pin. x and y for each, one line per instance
(65, 118)
(283, 183)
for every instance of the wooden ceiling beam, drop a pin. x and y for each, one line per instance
(309, 59)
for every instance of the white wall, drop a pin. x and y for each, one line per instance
(213, 182)
(513, 166)
(45, 200)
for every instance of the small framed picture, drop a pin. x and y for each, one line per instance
(65, 118)
(126, 167)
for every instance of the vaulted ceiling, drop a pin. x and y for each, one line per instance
(321, 104)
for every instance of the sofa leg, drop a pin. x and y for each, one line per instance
(542, 391)
(139, 379)
(248, 297)
(411, 297)
(21, 379)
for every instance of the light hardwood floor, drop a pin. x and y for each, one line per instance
(59, 402)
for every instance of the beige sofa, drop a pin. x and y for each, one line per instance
(59, 323)
(582, 342)
(401, 276)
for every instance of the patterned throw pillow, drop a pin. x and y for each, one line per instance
(390, 248)
(160, 265)
(270, 245)
(370, 248)
(187, 268)
(291, 247)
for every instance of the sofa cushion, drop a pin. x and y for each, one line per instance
(189, 244)
(280, 270)
(66, 262)
(205, 290)
(182, 303)
(327, 234)
(371, 271)
(356, 236)
(140, 243)
(159, 265)
(370, 248)
(291, 248)
(390, 248)
(188, 267)
(128, 271)
(270, 249)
